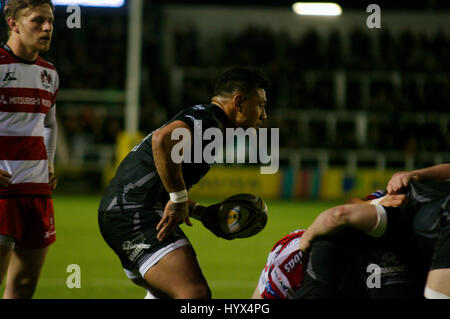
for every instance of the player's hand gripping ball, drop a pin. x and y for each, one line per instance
(239, 216)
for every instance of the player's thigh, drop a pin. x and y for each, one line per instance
(10, 230)
(25, 267)
(5, 256)
(139, 281)
(439, 280)
(178, 274)
(132, 236)
(169, 266)
(439, 275)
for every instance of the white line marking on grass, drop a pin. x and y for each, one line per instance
(97, 282)
(233, 283)
(123, 282)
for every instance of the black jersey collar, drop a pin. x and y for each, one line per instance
(220, 114)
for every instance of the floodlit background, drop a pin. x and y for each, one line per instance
(353, 105)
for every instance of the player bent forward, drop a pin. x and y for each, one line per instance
(423, 228)
(27, 145)
(284, 272)
(147, 199)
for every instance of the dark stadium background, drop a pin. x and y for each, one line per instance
(351, 103)
(404, 106)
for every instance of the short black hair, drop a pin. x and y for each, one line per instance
(240, 78)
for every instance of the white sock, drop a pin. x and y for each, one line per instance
(433, 294)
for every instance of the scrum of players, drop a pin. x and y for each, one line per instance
(394, 244)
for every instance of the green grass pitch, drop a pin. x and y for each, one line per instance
(232, 268)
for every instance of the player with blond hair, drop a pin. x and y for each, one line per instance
(28, 88)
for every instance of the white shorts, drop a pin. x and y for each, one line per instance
(149, 260)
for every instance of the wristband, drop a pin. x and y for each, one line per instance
(179, 197)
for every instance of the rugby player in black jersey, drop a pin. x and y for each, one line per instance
(147, 199)
(415, 236)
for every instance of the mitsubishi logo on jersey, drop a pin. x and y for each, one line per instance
(3, 100)
(46, 78)
(9, 76)
(26, 101)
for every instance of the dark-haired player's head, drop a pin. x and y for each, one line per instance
(242, 79)
(244, 88)
(30, 22)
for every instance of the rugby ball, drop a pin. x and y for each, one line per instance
(241, 216)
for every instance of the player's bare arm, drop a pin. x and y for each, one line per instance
(50, 132)
(358, 200)
(52, 180)
(394, 200)
(401, 179)
(332, 220)
(171, 177)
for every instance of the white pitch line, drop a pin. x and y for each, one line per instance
(118, 282)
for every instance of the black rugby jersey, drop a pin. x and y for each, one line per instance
(137, 184)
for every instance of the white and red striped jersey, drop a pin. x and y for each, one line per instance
(284, 270)
(27, 93)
